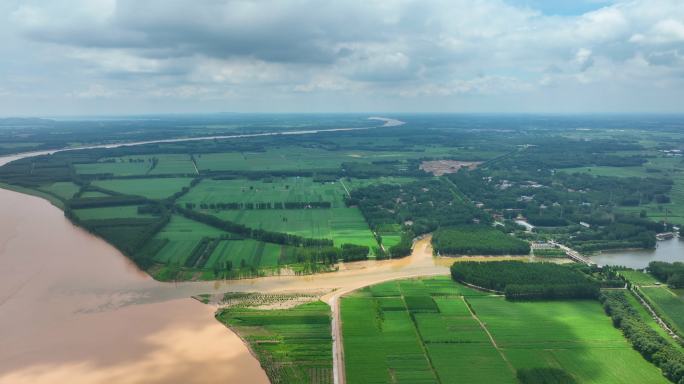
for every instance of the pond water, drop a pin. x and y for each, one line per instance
(666, 250)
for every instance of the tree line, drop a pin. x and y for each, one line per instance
(477, 240)
(670, 273)
(526, 281)
(643, 338)
(261, 205)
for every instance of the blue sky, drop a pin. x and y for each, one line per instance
(85, 57)
(562, 7)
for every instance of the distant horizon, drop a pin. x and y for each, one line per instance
(152, 115)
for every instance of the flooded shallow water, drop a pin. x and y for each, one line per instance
(74, 310)
(667, 250)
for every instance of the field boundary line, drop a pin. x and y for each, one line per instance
(420, 337)
(333, 299)
(345, 188)
(491, 338)
(654, 314)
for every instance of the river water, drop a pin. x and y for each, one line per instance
(666, 250)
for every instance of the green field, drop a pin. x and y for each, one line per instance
(253, 252)
(293, 159)
(648, 320)
(87, 194)
(668, 304)
(139, 165)
(342, 225)
(422, 331)
(293, 345)
(293, 189)
(153, 188)
(639, 278)
(181, 236)
(63, 189)
(117, 212)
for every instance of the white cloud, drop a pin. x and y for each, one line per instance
(372, 49)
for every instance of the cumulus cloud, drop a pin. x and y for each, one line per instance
(394, 50)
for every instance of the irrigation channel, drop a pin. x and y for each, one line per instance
(74, 309)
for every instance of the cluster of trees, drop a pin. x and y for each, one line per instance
(477, 240)
(403, 248)
(644, 339)
(554, 152)
(262, 205)
(557, 199)
(200, 254)
(670, 273)
(353, 252)
(380, 168)
(108, 201)
(526, 281)
(423, 206)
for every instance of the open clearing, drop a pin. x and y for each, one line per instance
(421, 331)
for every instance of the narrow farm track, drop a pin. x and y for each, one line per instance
(491, 338)
(421, 256)
(654, 314)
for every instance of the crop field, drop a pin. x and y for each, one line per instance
(281, 159)
(342, 225)
(422, 331)
(255, 253)
(293, 189)
(63, 189)
(648, 320)
(293, 158)
(182, 236)
(639, 278)
(668, 304)
(118, 212)
(157, 164)
(153, 188)
(118, 168)
(94, 194)
(293, 345)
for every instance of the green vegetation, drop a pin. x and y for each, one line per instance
(303, 202)
(526, 281)
(667, 304)
(670, 273)
(64, 190)
(649, 343)
(392, 334)
(549, 252)
(293, 345)
(638, 277)
(153, 188)
(477, 240)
